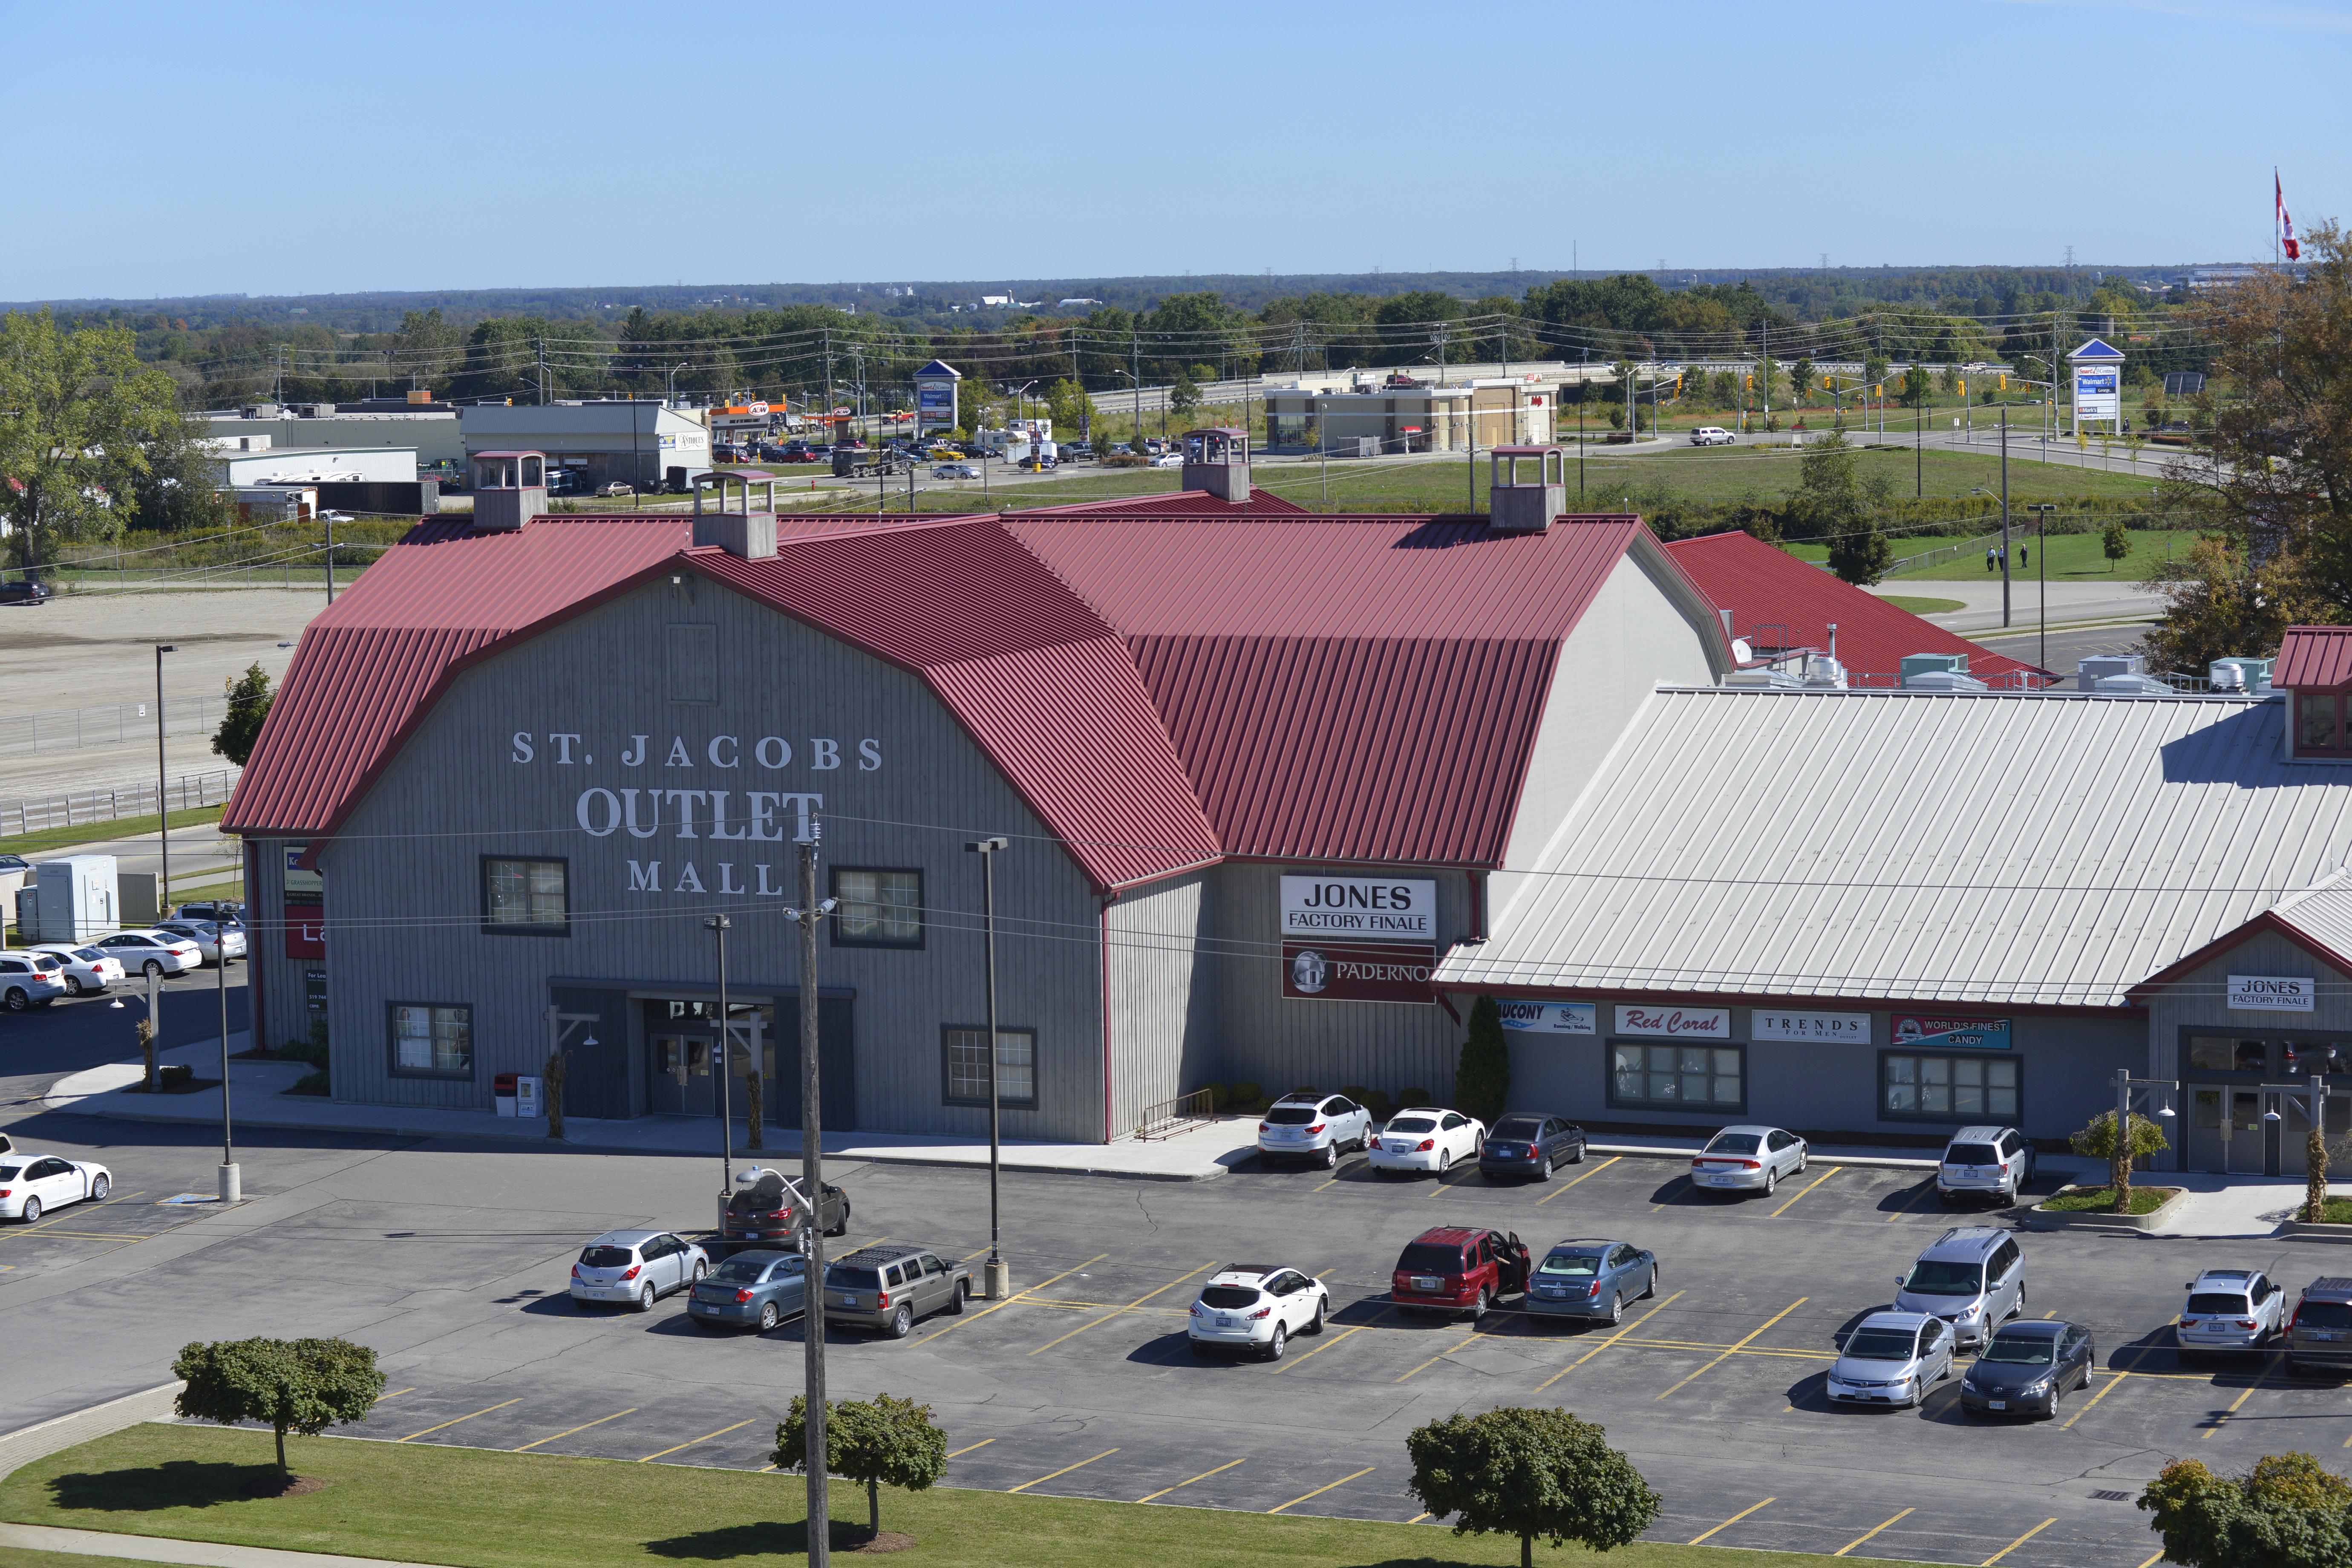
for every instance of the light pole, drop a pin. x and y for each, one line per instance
(669, 379)
(811, 912)
(997, 1277)
(2042, 510)
(231, 1180)
(163, 804)
(718, 926)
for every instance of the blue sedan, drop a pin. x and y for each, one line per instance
(1528, 1145)
(754, 1289)
(1592, 1280)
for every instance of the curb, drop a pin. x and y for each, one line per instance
(2305, 1230)
(39, 1441)
(2039, 1218)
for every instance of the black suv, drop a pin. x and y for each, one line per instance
(765, 1211)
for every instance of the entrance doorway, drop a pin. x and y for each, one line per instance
(682, 1053)
(2226, 1131)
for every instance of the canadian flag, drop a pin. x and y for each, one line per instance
(2287, 242)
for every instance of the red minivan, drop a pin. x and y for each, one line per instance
(1451, 1269)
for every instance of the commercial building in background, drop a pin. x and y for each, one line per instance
(429, 429)
(1375, 421)
(639, 442)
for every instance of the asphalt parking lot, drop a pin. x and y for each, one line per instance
(452, 1261)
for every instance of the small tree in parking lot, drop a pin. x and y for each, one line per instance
(1528, 1473)
(2098, 1141)
(880, 1441)
(295, 1385)
(1482, 1080)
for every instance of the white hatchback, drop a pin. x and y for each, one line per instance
(1427, 1140)
(1710, 436)
(1256, 1307)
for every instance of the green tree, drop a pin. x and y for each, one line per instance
(2097, 1141)
(878, 1442)
(1874, 368)
(1482, 1081)
(82, 424)
(249, 705)
(1801, 382)
(1950, 379)
(1184, 396)
(2286, 1512)
(1832, 504)
(1072, 409)
(1917, 387)
(1530, 1473)
(2115, 542)
(295, 1385)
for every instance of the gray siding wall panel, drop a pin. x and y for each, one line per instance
(283, 1005)
(1163, 1017)
(2198, 1000)
(404, 883)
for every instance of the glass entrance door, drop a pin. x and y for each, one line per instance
(681, 1082)
(2245, 1132)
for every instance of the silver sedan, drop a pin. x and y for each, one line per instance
(1747, 1159)
(212, 940)
(1892, 1358)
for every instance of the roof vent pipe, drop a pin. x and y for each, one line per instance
(1833, 642)
(1726, 616)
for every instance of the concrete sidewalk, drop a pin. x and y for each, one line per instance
(163, 1548)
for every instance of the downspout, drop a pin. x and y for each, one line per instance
(1104, 937)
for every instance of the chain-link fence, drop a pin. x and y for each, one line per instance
(76, 807)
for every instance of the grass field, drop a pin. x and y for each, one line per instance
(95, 832)
(2074, 557)
(518, 1511)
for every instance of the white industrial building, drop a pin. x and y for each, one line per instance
(637, 442)
(429, 429)
(245, 462)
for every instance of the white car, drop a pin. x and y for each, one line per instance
(153, 951)
(955, 471)
(1316, 1127)
(30, 980)
(211, 940)
(32, 1183)
(86, 969)
(1169, 460)
(2231, 1310)
(1747, 1159)
(1710, 436)
(1427, 1140)
(1256, 1307)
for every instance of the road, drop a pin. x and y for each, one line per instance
(198, 855)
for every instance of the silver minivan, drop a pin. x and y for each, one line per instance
(1972, 1276)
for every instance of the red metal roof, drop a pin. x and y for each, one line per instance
(1174, 503)
(2314, 656)
(1762, 586)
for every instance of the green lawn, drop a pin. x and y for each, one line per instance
(93, 832)
(16, 1557)
(2101, 1200)
(2073, 558)
(525, 1510)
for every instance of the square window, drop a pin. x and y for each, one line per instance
(1920, 1087)
(2252, 1056)
(964, 1066)
(2211, 1053)
(1675, 1077)
(526, 898)
(878, 907)
(2315, 716)
(431, 1040)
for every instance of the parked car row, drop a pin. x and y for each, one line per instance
(887, 1288)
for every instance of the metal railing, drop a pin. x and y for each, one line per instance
(76, 807)
(1171, 1116)
(68, 729)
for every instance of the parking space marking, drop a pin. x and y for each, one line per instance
(1117, 1311)
(1344, 1171)
(567, 1432)
(1824, 1176)
(394, 1394)
(1441, 1185)
(484, 1411)
(1065, 1470)
(1874, 1529)
(1912, 1205)
(1727, 1355)
(968, 1447)
(1441, 1355)
(1565, 1186)
(2021, 1540)
(706, 1437)
(1734, 1518)
(1319, 1491)
(1611, 1340)
(1204, 1475)
(1016, 1295)
(2223, 1419)
(1281, 1367)
(2152, 1561)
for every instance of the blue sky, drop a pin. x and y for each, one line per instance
(262, 148)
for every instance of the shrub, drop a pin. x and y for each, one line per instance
(1412, 1097)
(1530, 1473)
(1376, 1101)
(175, 1076)
(1245, 1094)
(311, 1083)
(2097, 1141)
(2286, 1512)
(1216, 1093)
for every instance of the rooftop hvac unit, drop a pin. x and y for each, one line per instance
(2252, 675)
(1942, 681)
(2132, 686)
(1927, 663)
(2099, 667)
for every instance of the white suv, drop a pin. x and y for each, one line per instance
(1710, 436)
(1985, 1162)
(1308, 1126)
(1256, 1307)
(30, 980)
(2231, 1310)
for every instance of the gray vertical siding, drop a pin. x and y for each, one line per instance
(405, 884)
(1164, 1034)
(278, 995)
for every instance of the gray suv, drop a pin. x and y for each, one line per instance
(887, 1287)
(1972, 1276)
(2320, 1332)
(1985, 1162)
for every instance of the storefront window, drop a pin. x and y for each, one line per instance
(1928, 1087)
(525, 898)
(966, 1066)
(878, 907)
(1672, 1077)
(432, 1041)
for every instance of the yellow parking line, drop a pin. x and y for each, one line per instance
(2207, 1434)
(1318, 1350)
(1611, 1340)
(1565, 1186)
(1065, 1470)
(1416, 1519)
(968, 1447)
(1017, 1295)
(1912, 1206)
(1728, 1354)
(567, 1432)
(968, 1257)
(1824, 1176)
(2021, 1540)
(1441, 1355)
(1875, 1529)
(2113, 1380)
(394, 1394)
(706, 1437)
(1319, 1491)
(484, 1411)
(1727, 1523)
(2152, 1561)
(1115, 1311)
(1204, 1475)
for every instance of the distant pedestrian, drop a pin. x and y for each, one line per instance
(2024, 556)
(1992, 560)
(2004, 557)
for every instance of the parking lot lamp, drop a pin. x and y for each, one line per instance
(999, 1280)
(718, 926)
(231, 1183)
(811, 912)
(162, 806)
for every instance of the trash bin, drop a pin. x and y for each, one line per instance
(502, 1089)
(527, 1096)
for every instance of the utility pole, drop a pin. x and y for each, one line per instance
(541, 344)
(1583, 368)
(718, 926)
(163, 811)
(997, 1275)
(820, 1520)
(2004, 514)
(330, 561)
(1919, 439)
(1135, 375)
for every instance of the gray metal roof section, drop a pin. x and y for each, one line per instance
(1911, 846)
